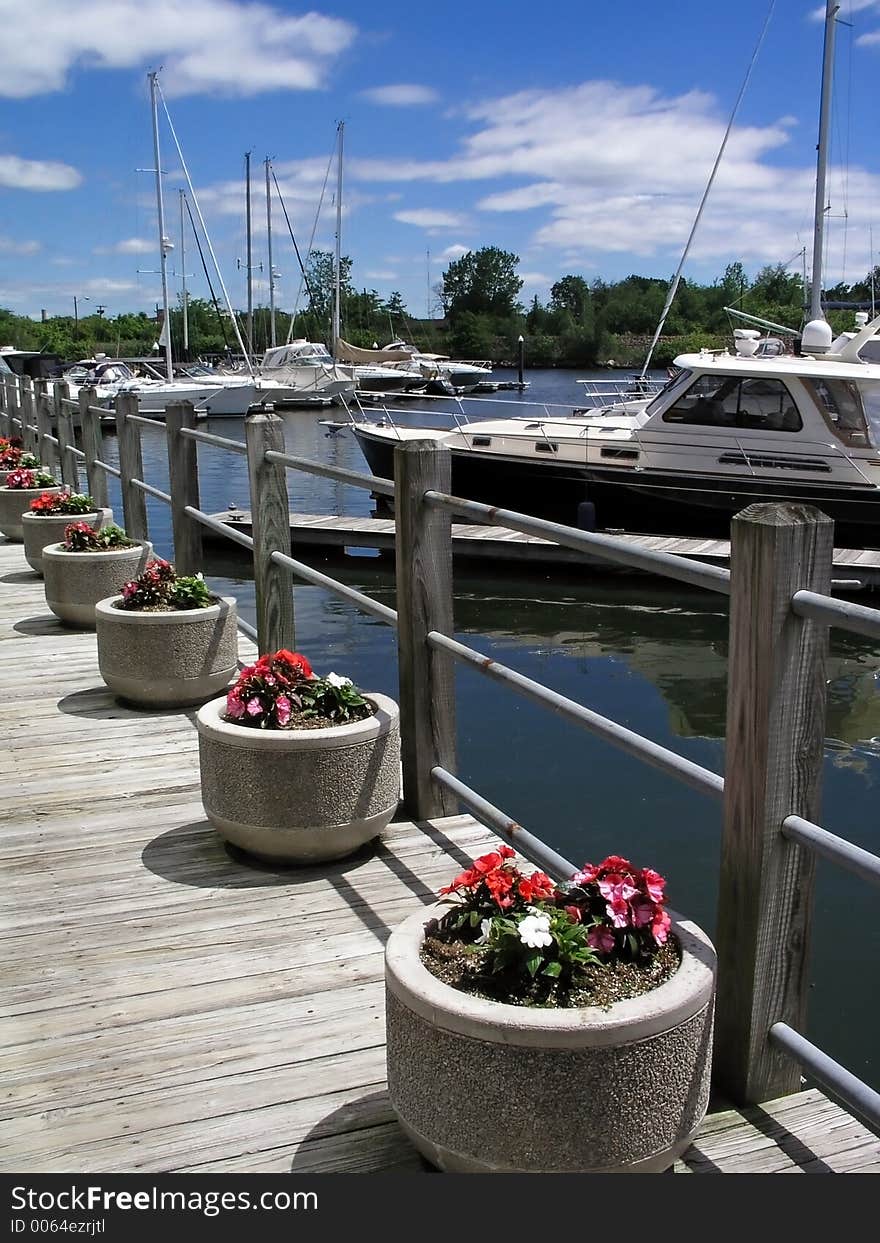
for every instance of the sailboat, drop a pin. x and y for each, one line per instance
(728, 430)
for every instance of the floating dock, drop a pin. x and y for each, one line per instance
(854, 569)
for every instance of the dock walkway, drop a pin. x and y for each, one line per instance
(170, 1007)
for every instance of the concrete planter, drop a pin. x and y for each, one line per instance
(38, 530)
(300, 795)
(15, 502)
(165, 660)
(479, 1086)
(76, 581)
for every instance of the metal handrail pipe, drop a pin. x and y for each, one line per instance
(72, 449)
(208, 438)
(555, 865)
(110, 470)
(70, 401)
(858, 1098)
(145, 422)
(151, 491)
(357, 480)
(108, 410)
(857, 618)
(247, 628)
(365, 603)
(702, 779)
(837, 849)
(684, 569)
(46, 436)
(221, 528)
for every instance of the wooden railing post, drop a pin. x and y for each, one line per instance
(6, 405)
(90, 427)
(183, 472)
(423, 558)
(27, 413)
(773, 767)
(131, 466)
(270, 523)
(46, 451)
(66, 439)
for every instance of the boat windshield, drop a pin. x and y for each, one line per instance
(851, 408)
(677, 384)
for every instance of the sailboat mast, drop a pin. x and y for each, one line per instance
(831, 10)
(184, 297)
(160, 208)
(337, 284)
(271, 267)
(250, 283)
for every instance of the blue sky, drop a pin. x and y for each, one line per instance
(579, 135)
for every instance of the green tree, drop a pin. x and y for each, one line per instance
(483, 282)
(572, 294)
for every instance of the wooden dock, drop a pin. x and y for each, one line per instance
(857, 568)
(171, 1007)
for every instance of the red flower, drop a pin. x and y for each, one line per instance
(536, 887)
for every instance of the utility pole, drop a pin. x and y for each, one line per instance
(271, 268)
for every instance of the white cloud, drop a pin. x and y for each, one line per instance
(454, 252)
(383, 274)
(130, 246)
(401, 95)
(228, 47)
(19, 174)
(9, 246)
(430, 218)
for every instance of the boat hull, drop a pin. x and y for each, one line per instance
(649, 501)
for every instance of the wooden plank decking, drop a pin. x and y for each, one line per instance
(170, 1007)
(476, 541)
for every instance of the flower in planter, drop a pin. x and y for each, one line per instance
(51, 504)
(22, 478)
(13, 456)
(525, 939)
(282, 691)
(161, 589)
(80, 537)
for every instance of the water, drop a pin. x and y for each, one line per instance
(649, 654)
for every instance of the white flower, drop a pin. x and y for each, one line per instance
(485, 930)
(534, 931)
(200, 576)
(336, 680)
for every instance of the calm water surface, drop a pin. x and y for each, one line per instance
(649, 654)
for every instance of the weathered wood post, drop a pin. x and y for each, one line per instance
(66, 438)
(423, 558)
(183, 472)
(131, 466)
(775, 738)
(47, 450)
(270, 524)
(27, 415)
(6, 404)
(90, 424)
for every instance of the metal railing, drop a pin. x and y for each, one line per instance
(780, 613)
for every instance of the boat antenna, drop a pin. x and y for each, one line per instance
(831, 11)
(337, 275)
(677, 278)
(163, 240)
(195, 200)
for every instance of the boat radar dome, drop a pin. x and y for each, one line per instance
(816, 337)
(745, 341)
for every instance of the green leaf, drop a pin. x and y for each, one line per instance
(533, 962)
(553, 969)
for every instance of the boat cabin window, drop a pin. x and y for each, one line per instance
(840, 404)
(752, 402)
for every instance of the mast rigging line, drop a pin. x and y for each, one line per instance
(311, 243)
(677, 278)
(290, 231)
(195, 200)
(207, 273)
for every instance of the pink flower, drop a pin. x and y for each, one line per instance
(642, 913)
(254, 707)
(660, 927)
(655, 885)
(573, 912)
(586, 875)
(615, 887)
(601, 938)
(618, 912)
(282, 709)
(234, 706)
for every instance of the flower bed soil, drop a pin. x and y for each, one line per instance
(161, 608)
(464, 968)
(297, 721)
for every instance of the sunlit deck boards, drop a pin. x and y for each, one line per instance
(168, 1007)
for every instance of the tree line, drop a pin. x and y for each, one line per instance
(582, 323)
